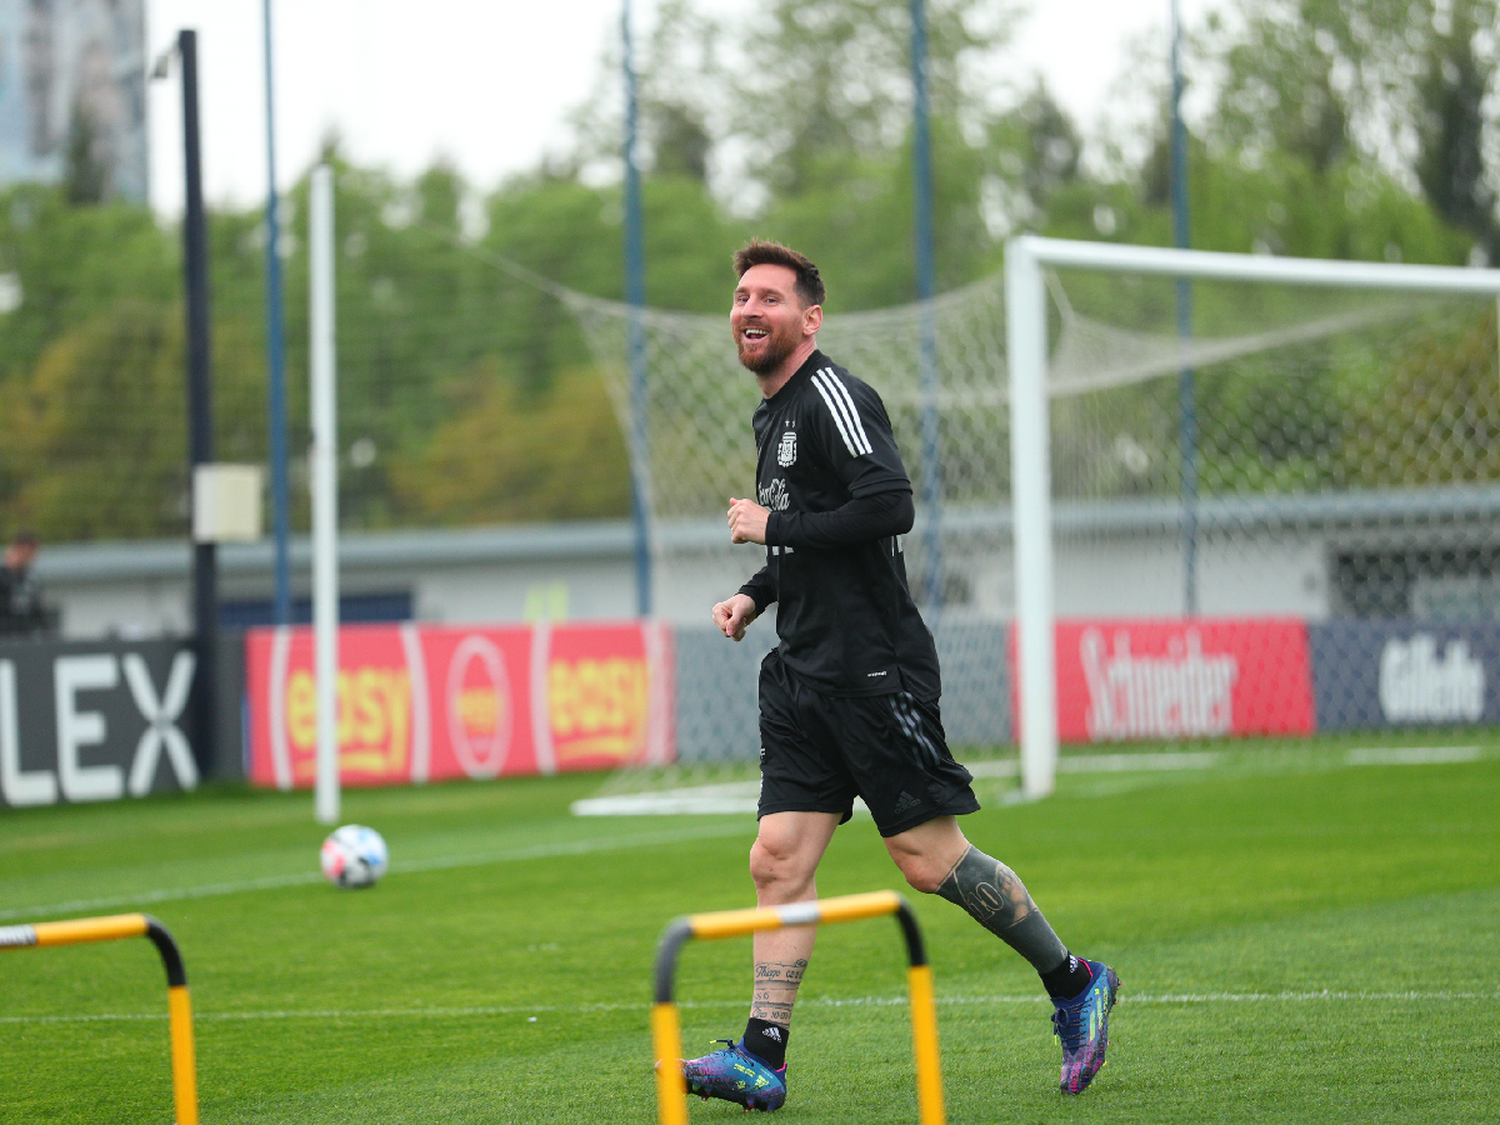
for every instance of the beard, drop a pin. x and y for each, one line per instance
(776, 347)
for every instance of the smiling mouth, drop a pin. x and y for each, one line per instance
(754, 334)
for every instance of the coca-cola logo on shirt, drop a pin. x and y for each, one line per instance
(773, 495)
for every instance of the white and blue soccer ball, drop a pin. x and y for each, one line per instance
(354, 856)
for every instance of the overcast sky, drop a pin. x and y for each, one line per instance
(486, 83)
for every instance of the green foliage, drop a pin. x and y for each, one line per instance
(1332, 129)
(1390, 84)
(856, 221)
(1444, 382)
(105, 410)
(72, 261)
(505, 455)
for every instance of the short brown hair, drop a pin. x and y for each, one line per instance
(760, 252)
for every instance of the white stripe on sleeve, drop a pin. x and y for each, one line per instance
(845, 413)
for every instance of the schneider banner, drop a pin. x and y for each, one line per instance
(1140, 679)
(419, 703)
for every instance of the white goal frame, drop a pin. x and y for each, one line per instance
(1026, 258)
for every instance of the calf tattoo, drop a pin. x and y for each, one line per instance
(995, 897)
(776, 990)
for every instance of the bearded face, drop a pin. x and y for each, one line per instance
(763, 348)
(767, 318)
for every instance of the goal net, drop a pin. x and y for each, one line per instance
(1283, 456)
(1208, 437)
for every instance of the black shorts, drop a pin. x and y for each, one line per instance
(819, 751)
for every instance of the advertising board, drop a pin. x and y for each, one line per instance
(1372, 674)
(1123, 679)
(83, 721)
(419, 703)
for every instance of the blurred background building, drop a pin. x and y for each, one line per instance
(73, 96)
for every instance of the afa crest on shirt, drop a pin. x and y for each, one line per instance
(786, 452)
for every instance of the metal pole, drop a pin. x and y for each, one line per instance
(325, 502)
(179, 1006)
(281, 601)
(1187, 405)
(932, 468)
(200, 403)
(635, 297)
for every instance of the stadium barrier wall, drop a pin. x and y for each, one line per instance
(40, 935)
(420, 703)
(90, 721)
(102, 720)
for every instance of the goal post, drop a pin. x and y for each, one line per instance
(1028, 258)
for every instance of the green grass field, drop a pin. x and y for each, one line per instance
(1301, 939)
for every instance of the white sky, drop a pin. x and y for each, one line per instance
(486, 83)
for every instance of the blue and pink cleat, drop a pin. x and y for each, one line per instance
(736, 1075)
(1082, 1026)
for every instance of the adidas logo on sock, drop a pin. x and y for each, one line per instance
(773, 1033)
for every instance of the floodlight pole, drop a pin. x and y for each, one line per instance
(200, 403)
(281, 601)
(921, 157)
(635, 297)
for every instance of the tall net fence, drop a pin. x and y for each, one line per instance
(1298, 454)
(466, 394)
(1325, 456)
(1338, 461)
(698, 452)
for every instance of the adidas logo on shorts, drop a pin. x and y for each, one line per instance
(905, 803)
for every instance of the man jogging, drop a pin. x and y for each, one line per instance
(849, 697)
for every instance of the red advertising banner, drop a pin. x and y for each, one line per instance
(418, 703)
(1199, 677)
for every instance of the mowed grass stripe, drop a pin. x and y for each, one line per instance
(1330, 996)
(1297, 943)
(680, 834)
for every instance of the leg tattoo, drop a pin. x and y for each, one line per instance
(776, 990)
(995, 897)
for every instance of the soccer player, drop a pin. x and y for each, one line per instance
(849, 697)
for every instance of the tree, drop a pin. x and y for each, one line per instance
(1395, 85)
(1450, 162)
(505, 455)
(97, 444)
(85, 173)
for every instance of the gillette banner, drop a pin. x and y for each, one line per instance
(419, 703)
(1369, 674)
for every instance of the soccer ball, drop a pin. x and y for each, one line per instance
(354, 856)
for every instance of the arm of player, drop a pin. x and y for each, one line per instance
(863, 519)
(733, 616)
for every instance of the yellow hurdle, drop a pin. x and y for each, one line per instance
(666, 1030)
(179, 1008)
